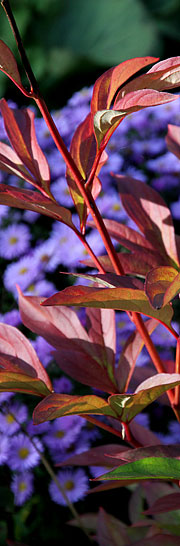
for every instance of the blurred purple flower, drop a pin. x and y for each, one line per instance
(22, 454)
(63, 385)
(43, 350)
(22, 487)
(4, 448)
(23, 273)
(63, 432)
(8, 423)
(14, 241)
(74, 483)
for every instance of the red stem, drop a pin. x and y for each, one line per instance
(177, 370)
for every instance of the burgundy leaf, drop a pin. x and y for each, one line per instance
(32, 200)
(129, 355)
(8, 65)
(87, 362)
(162, 282)
(148, 210)
(107, 85)
(165, 504)
(111, 531)
(14, 343)
(173, 140)
(57, 405)
(19, 125)
(99, 456)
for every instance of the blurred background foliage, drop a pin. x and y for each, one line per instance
(71, 42)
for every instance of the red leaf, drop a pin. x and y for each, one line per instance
(167, 503)
(162, 284)
(32, 200)
(19, 125)
(83, 150)
(97, 456)
(136, 263)
(163, 75)
(148, 451)
(124, 299)
(14, 343)
(143, 98)
(126, 236)
(11, 163)
(129, 355)
(58, 405)
(173, 140)
(102, 333)
(107, 85)
(8, 65)
(77, 355)
(111, 531)
(148, 210)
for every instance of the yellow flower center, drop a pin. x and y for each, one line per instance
(23, 270)
(116, 206)
(23, 452)
(13, 240)
(69, 485)
(45, 258)
(9, 418)
(59, 434)
(22, 486)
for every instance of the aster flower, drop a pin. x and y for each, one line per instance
(11, 317)
(63, 384)
(8, 423)
(23, 272)
(74, 483)
(43, 254)
(41, 288)
(22, 454)
(22, 487)
(79, 446)
(61, 192)
(14, 241)
(4, 448)
(64, 432)
(43, 350)
(37, 429)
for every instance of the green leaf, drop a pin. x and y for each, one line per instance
(127, 406)
(58, 405)
(157, 468)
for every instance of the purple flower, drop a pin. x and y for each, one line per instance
(8, 423)
(14, 241)
(22, 487)
(4, 448)
(175, 209)
(43, 350)
(41, 288)
(37, 429)
(167, 163)
(23, 273)
(22, 453)
(110, 206)
(11, 317)
(74, 484)
(63, 384)
(61, 192)
(30, 216)
(81, 444)
(4, 210)
(162, 337)
(63, 432)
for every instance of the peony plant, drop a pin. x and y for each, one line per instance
(141, 278)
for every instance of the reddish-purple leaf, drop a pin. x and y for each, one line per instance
(149, 211)
(126, 236)
(127, 406)
(111, 531)
(11, 163)
(125, 298)
(107, 85)
(32, 200)
(58, 405)
(98, 456)
(77, 355)
(102, 332)
(167, 503)
(8, 65)
(142, 452)
(19, 382)
(19, 125)
(163, 75)
(160, 539)
(129, 355)
(173, 139)
(14, 343)
(83, 150)
(136, 263)
(162, 284)
(106, 121)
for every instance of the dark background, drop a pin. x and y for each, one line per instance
(71, 42)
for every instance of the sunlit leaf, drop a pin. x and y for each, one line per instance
(173, 139)
(8, 65)
(58, 405)
(127, 406)
(162, 284)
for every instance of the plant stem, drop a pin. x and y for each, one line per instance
(54, 478)
(177, 370)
